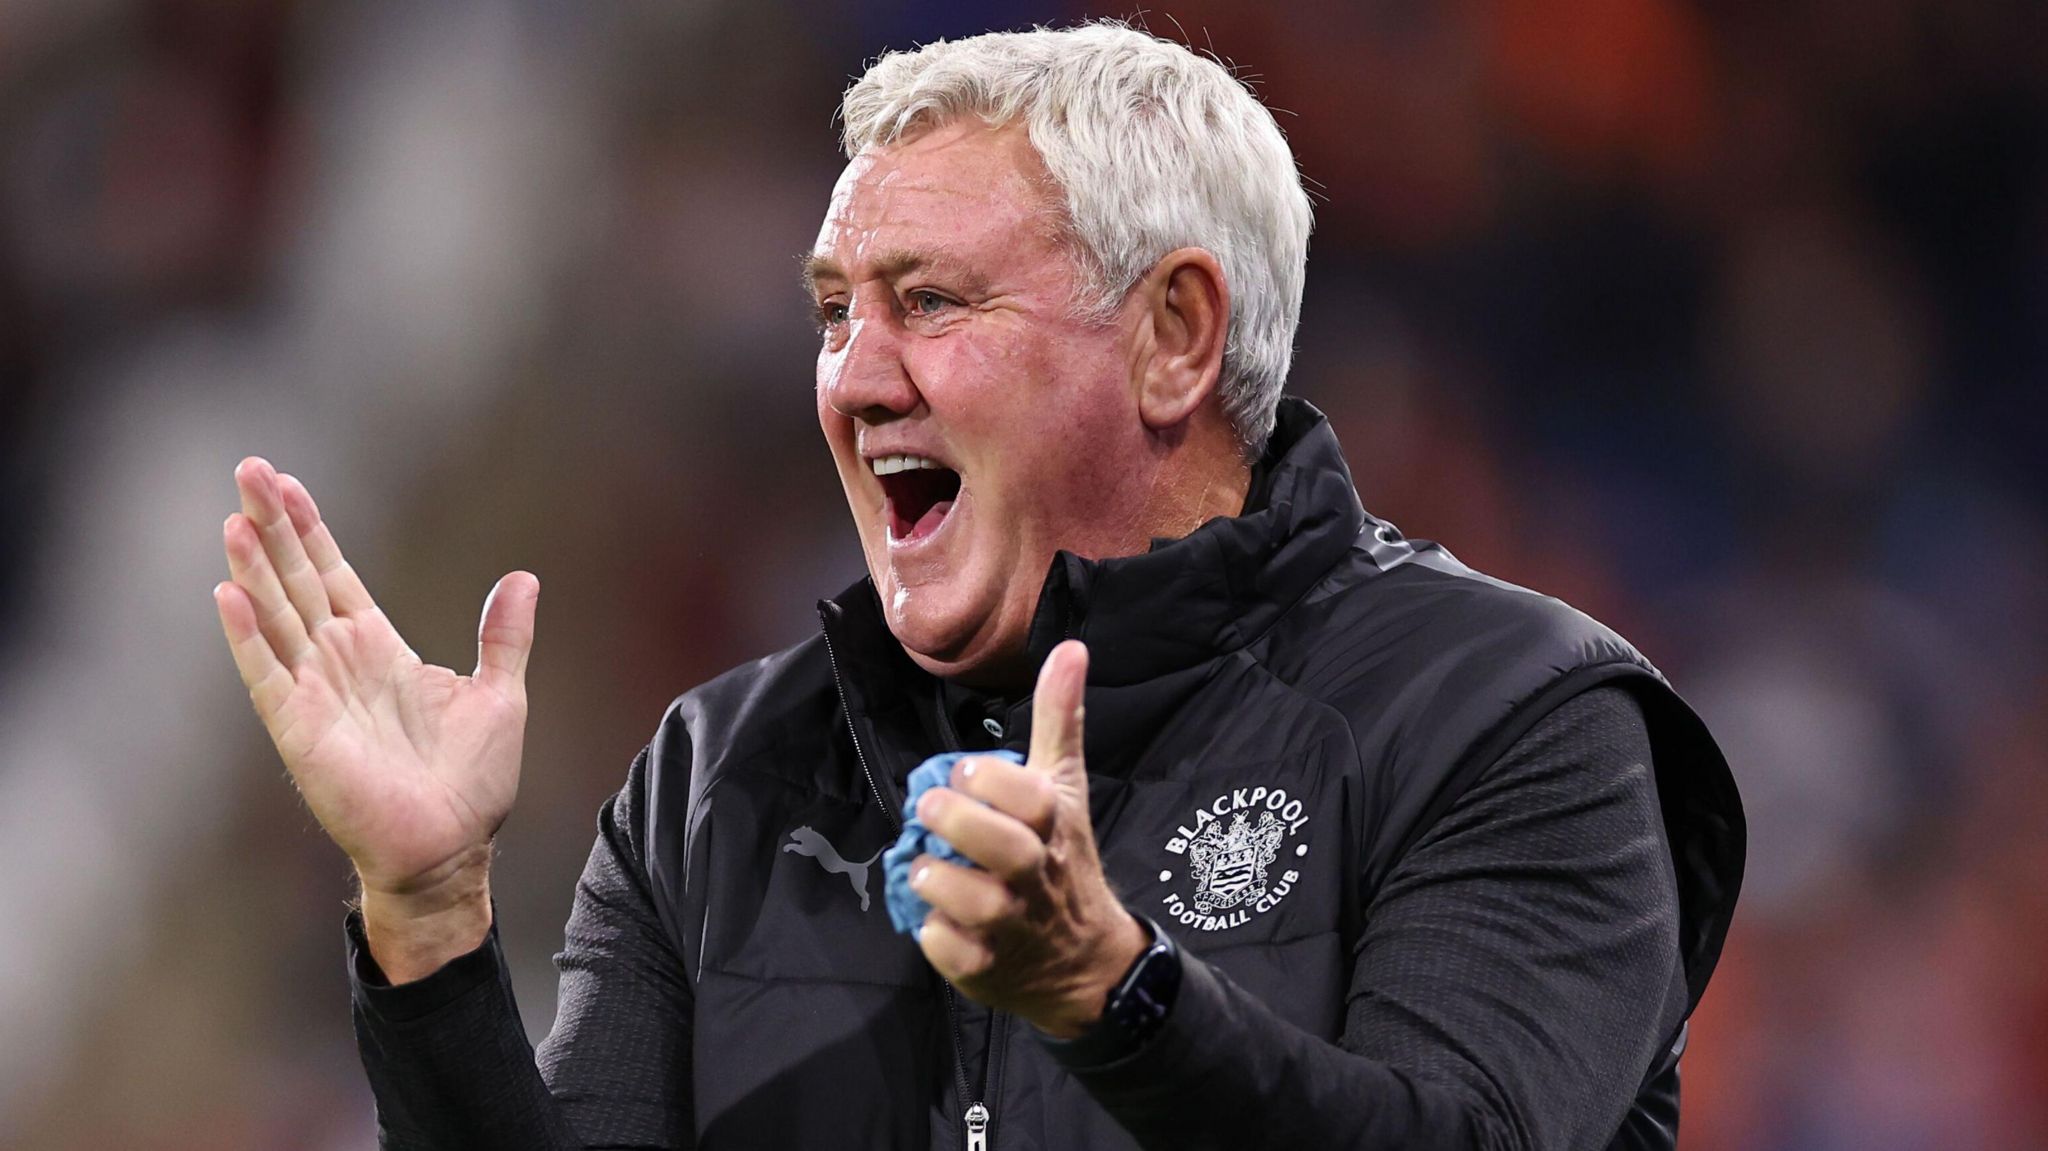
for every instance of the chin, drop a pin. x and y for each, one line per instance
(930, 632)
(949, 639)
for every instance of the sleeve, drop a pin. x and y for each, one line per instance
(448, 1058)
(1518, 975)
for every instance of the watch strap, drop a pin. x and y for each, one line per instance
(1135, 1009)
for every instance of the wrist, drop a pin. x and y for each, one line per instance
(455, 879)
(1125, 943)
(415, 930)
(1136, 1010)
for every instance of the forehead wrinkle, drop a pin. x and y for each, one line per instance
(1008, 204)
(891, 265)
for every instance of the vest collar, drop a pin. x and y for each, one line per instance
(1186, 601)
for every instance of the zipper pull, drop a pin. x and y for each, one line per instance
(977, 1128)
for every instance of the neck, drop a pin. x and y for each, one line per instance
(1206, 478)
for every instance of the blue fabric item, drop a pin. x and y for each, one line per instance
(906, 908)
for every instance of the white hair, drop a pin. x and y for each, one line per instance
(1155, 148)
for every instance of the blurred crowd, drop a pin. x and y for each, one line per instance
(1726, 322)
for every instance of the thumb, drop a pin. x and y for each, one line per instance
(505, 637)
(1056, 708)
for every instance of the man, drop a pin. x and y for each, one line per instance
(1322, 838)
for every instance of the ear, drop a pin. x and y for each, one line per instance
(1188, 305)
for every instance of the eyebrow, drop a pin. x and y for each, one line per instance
(889, 266)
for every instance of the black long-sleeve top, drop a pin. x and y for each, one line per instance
(1519, 973)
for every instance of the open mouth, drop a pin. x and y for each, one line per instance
(917, 493)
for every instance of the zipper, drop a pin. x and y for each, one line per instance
(967, 1101)
(978, 1115)
(977, 1128)
(839, 684)
(992, 1079)
(975, 1115)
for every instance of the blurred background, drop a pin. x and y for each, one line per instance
(1728, 323)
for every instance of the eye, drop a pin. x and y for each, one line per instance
(831, 314)
(925, 302)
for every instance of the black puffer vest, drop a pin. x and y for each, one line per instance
(1302, 660)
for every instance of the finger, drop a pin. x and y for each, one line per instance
(1056, 711)
(1015, 790)
(275, 615)
(264, 506)
(952, 950)
(998, 842)
(968, 896)
(345, 590)
(504, 639)
(268, 681)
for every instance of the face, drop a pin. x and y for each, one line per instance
(978, 427)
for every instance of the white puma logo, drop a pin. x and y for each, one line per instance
(804, 841)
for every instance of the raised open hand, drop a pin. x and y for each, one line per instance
(408, 766)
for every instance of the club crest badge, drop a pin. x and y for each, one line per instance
(1231, 849)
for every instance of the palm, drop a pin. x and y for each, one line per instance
(409, 766)
(403, 762)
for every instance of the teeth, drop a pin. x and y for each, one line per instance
(890, 465)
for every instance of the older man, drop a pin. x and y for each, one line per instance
(1323, 839)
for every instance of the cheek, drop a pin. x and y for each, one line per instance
(838, 429)
(1010, 383)
(1068, 399)
(1061, 456)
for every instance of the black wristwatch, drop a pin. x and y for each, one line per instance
(1136, 1008)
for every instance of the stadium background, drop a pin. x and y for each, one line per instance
(1728, 323)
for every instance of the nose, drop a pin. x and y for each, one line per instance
(871, 383)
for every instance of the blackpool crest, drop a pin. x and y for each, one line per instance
(1229, 867)
(1231, 851)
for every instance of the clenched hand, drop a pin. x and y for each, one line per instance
(409, 767)
(1038, 931)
